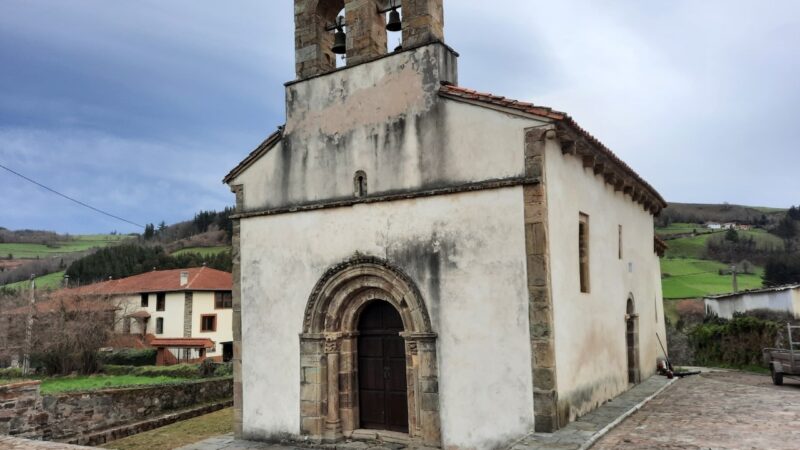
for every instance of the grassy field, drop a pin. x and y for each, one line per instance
(78, 244)
(682, 228)
(203, 251)
(694, 247)
(690, 278)
(49, 281)
(178, 434)
(87, 383)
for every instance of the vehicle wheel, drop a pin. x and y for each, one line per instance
(777, 377)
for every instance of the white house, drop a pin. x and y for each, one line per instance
(187, 311)
(415, 257)
(779, 299)
(714, 226)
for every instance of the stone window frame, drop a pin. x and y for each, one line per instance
(329, 404)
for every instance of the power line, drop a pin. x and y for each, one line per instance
(70, 198)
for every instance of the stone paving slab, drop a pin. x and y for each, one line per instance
(719, 410)
(577, 435)
(10, 443)
(585, 431)
(228, 442)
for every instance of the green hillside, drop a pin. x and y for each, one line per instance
(202, 251)
(49, 281)
(76, 244)
(690, 278)
(687, 274)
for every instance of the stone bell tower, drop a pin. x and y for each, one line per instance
(365, 22)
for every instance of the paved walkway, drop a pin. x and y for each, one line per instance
(718, 410)
(576, 435)
(582, 433)
(227, 442)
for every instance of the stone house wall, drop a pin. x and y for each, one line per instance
(25, 412)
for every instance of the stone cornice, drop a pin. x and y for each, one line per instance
(389, 197)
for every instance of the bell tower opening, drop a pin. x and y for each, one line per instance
(369, 29)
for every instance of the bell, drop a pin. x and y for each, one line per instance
(395, 24)
(339, 42)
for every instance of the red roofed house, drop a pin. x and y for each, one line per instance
(445, 255)
(186, 311)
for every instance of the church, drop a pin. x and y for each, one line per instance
(422, 262)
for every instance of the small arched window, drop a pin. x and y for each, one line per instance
(360, 184)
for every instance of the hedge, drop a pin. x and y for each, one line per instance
(130, 357)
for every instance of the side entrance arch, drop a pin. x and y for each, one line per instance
(632, 341)
(368, 355)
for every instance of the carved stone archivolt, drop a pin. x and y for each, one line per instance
(329, 350)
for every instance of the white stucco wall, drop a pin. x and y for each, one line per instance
(590, 327)
(173, 315)
(203, 304)
(465, 252)
(782, 301)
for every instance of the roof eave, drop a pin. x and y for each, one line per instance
(254, 156)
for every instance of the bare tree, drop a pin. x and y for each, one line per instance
(69, 330)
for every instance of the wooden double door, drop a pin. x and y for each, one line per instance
(383, 393)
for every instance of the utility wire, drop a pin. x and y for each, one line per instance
(69, 198)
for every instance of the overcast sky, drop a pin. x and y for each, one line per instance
(140, 107)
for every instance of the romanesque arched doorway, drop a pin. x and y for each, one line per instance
(331, 347)
(382, 386)
(632, 341)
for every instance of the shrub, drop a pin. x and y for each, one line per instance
(11, 372)
(736, 342)
(224, 370)
(130, 357)
(176, 371)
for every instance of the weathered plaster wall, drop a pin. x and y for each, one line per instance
(783, 301)
(466, 253)
(386, 119)
(590, 327)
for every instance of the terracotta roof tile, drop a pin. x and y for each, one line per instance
(182, 342)
(200, 279)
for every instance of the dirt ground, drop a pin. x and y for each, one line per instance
(718, 410)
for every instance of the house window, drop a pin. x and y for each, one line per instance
(161, 300)
(583, 252)
(145, 302)
(208, 322)
(223, 300)
(126, 325)
(160, 325)
(619, 242)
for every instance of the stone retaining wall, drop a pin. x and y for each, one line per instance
(21, 410)
(26, 413)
